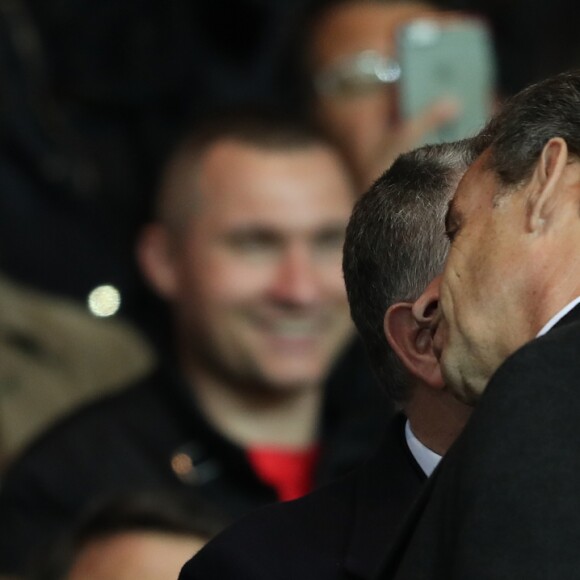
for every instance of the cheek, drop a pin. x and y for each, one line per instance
(233, 280)
(330, 279)
(359, 120)
(467, 268)
(489, 274)
(336, 292)
(455, 298)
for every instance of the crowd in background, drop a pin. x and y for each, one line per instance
(99, 91)
(96, 99)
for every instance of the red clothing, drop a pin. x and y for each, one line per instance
(289, 472)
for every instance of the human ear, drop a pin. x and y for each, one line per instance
(156, 261)
(547, 187)
(412, 342)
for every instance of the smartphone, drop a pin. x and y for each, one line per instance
(447, 58)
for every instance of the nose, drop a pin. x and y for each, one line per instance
(426, 307)
(296, 282)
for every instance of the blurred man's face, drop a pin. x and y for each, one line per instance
(131, 555)
(484, 291)
(259, 294)
(358, 111)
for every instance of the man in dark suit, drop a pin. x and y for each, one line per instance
(505, 502)
(393, 248)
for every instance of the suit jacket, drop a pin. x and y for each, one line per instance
(505, 501)
(339, 531)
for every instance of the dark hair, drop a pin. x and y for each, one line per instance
(168, 511)
(395, 244)
(550, 108)
(266, 130)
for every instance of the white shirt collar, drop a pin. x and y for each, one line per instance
(427, 459)
(557, 317)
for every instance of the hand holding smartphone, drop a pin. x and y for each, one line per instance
(447, 60)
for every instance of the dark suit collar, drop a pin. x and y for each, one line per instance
(572, 316)
(386, 487)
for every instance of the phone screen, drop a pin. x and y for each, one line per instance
(447, 59)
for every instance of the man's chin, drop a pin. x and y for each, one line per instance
(465, 389)
(469, 396)
(293, 382)
(281, 380)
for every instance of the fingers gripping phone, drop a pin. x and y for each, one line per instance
(447, 59)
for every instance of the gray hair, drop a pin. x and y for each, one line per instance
(547, 109)
(395, 244)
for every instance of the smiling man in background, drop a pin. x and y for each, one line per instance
(394, 246)
(256, 404)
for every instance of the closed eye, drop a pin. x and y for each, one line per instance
(452, 222)
(253, 241)
(451, 233)
(330, 238)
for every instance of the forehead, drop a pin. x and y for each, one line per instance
(477, 188)
(237, 181)
(356, 26)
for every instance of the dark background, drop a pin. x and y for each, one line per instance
(93, 93)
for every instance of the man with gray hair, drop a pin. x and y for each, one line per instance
(505, 502)
(394, 246)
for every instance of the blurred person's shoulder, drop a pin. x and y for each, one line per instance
(55, 355)
(106, 352)
(100, 444)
